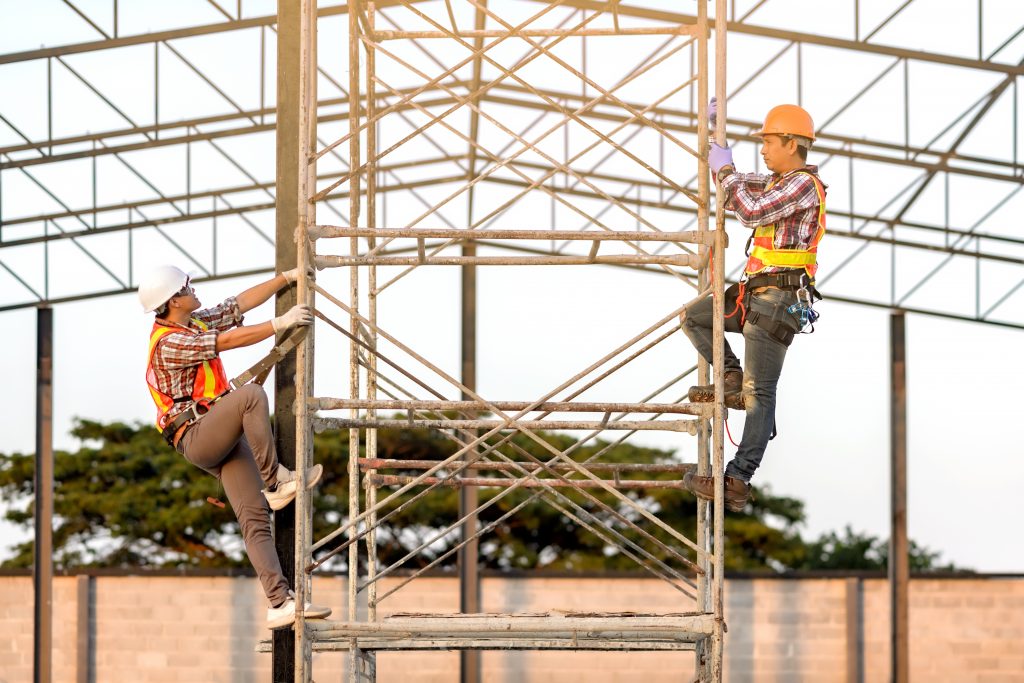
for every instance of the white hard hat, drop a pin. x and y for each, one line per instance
(159, 285)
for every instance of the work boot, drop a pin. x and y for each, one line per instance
(284, 616)
(705, 393)
(287, 486)
(737, 492)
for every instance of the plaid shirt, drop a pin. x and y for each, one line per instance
(791, 203)
(178, 355)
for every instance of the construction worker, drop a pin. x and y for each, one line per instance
(225, 434)
(773, 300)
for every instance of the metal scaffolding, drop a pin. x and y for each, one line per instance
(386, 373)
(444, 120)
(916, 218)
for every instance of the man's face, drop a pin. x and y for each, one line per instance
(187, 297)
(777, 152)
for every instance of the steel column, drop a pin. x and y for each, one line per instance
(287, 193)
(42, 568)
(899, 565)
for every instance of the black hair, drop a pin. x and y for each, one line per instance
(801, 150)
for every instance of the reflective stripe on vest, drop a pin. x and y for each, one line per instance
(763, 253)
(210, 380)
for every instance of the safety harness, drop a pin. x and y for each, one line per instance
(211, 383)
(802, 264)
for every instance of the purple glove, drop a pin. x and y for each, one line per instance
(712, 112)
(719, 157)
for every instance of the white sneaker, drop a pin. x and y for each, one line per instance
(287, 486)
(284, 616)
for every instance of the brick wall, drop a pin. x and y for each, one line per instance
(151, 629)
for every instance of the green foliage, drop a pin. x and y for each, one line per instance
(125, 499)
(129, 502)
(860, 551)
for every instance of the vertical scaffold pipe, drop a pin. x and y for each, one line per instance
(371, 293)
(304, 353)
(718, 360)
(703, 651)
(354, 107)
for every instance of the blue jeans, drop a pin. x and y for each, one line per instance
(764, 358)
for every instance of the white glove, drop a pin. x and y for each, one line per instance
(293, 274)
(300, 314)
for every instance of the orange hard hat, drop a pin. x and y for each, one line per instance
(788, 119)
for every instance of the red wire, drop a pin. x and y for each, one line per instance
(730, 433)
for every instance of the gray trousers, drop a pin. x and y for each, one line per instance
(234, 443)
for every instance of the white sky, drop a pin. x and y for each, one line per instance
(538, 326)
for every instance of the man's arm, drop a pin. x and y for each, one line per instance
(254, 296)
(753, 209)
(246, 335)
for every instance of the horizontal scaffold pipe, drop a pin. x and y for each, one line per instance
(700, 409)
(622, 625)
(578, 641)
(494, 482)
(689, 260)
(687, 426)
(688, 236)
(678, 30)
(617, 467)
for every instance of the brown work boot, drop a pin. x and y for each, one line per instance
(737, 492)
(705, 393)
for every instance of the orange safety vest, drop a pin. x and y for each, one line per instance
(763, 253)
(210, 380)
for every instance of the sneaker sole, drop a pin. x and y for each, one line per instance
(288, 622)
(316, 472)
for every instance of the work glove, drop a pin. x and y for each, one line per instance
(719, 157)
(300, 314)
(712, 112)
(293, 274)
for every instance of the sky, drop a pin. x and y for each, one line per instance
(537, 325)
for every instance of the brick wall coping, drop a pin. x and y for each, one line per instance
(199, 572)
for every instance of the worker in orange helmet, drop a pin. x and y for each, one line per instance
(223, 431)
(773, 301)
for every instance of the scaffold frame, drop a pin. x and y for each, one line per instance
(422, 389)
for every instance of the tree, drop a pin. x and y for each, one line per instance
(861, 551)
(126, 499)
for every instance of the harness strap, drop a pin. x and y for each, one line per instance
(775, 328)
(259, 371)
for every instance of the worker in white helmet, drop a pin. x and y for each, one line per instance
(226, 433)
(774, 299)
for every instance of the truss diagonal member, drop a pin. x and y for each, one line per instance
(461, 465)
(475, 145)
(962, 240)
(74, 241)
(1001, 300)
(511, 201)
(992, 97)
(645, 513)
(554, 195)
(609, 94)
(832, 272)
(557, 166)
(540, 493)
(22, 282)
(639, 116)
(434, 81)
(549, 494)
